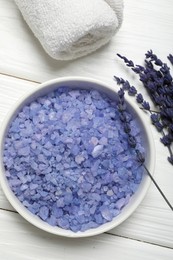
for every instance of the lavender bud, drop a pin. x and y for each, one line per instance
(171, 127)
(155, 118)
(151, 86)
(127, 128)
(149, 54)
(165, 69)
(166, 140)
(165, 121)
(140, 157)
(149, 64)
(170, 58)
(168, 112)
(158, 62)
(139, 98)
(126, 85)
(132, 91)
(146, 105)
(170, 159)
(132, 141)
(158, 99)
(122, 107)
(129, 63)
(159, 126)
(119, 81)
(168, 101)
(122, 117)
(121, 93)
(143, 78)
(138, 69)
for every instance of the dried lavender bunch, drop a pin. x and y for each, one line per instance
(157, 80)
(131, 138)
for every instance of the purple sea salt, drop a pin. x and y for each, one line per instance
(68, 160)
(97, 151)
(44, 212)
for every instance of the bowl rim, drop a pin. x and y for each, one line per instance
(34, 219)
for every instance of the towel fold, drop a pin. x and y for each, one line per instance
(68, 29)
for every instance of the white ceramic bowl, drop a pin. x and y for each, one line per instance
(83, 83)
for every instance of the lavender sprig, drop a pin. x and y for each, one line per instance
(133, 142)
(170, 58)
(157, 80)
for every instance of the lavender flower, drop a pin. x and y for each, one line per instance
(140, 157)
(157, 80)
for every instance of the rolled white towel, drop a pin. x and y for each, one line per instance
(68, 29)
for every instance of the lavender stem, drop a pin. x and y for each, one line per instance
(155, 183)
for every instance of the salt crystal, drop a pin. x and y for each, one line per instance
(105, 212)
(103, 140)
(34, 165)
(79, 159)
(120, 203)
(93, 209)
(41, 158)
(86, 186)
(24, 151)
(74, 93)
(98, 219)
(44, 212)
(94, 140)
(95, 196)
(24, 187)
(52, 220)
(26, 203)
(42, 166)
(58, 158)
(62, 222)
(18, 144)
(110, 193)
(60, 202)
(97, 151)
(58, 212)
(33, 186)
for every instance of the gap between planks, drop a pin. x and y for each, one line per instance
(110, 234)
(139, 240)
(19, 78)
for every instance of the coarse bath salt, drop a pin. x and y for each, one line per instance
(68, 161)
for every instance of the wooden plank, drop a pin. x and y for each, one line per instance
(11, 90)
(152, 221)
(147, 25)
(19, 240)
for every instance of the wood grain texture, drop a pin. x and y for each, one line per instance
(23, 241)
(147, 24)
(148, 233)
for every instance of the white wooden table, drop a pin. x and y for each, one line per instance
(148, 233)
